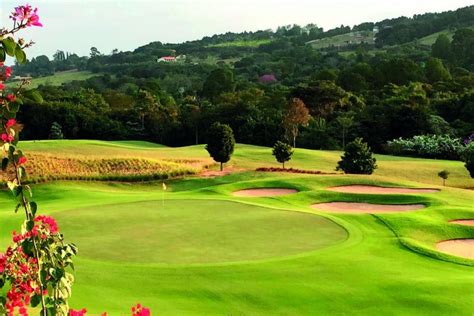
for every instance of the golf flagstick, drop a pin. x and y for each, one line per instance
(163, 195)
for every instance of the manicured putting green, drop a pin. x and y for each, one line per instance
(194, 231)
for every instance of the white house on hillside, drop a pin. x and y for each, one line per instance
(171, 59)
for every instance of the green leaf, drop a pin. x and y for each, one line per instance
(9, 45)
(35, 300)
(33, 207)
(33, 95)
(13, 107)
(17, 207)
(3, 55)
(4, 163)
(11, 150)
(30, 225)
(21, 172)
(20, 55)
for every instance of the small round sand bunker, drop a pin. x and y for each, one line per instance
(369, 189)
(365, 208)
(466, 222)
(457, 247)
(264, 192)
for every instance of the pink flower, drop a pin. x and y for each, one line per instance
(8, 72)
(2, 86)
(10, 122)
(139, 310)
(25, 13)
(6, 138)
(11, 97)
(81, 312)
(49, 221)
(22, 160)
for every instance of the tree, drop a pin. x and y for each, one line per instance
(435, 71)
(282, 152)
(468, 158)
(219, 81)
(443, 174)
(357, 159)
(296, 115)
(144, 105)
(59, 56)
(462, 47)
(346, 122)
(220, 143)
(442, 47)
(94, 52)
(56, 131)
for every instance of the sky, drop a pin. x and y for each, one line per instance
(77, 25)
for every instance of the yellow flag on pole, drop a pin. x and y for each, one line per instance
(164, 186)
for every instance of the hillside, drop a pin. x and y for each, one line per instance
(56, 79)
(380, 89)
(113, 160)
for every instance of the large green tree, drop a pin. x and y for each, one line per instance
(219, 81)
(220, 143)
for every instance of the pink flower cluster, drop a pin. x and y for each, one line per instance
(7, 137)
(44, 227)
(5, 74)
(137, 310)
(22, 272)
(21, 269)
(25, 14)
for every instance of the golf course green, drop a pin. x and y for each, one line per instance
(198, 249)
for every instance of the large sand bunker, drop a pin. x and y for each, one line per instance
(369, 189)
(361, 208)
(263, 192)
(466, 222)
(457, 247)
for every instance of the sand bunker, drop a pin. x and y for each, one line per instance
(264, 192)
(457, 247)
(467, 222)
(361, 208)
(369, 189)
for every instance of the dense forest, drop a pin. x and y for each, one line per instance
(272, 85)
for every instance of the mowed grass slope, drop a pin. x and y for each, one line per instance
(56, 80)
(196, 249)
(251, 157)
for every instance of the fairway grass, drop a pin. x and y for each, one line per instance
(196, 249)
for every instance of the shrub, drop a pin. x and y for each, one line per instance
(468, 158)
(56, 131)
(282, 152)
(357, 158)
(221, 142)
(427, 146)
(444, 174)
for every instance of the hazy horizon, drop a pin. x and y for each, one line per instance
(76, 25)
